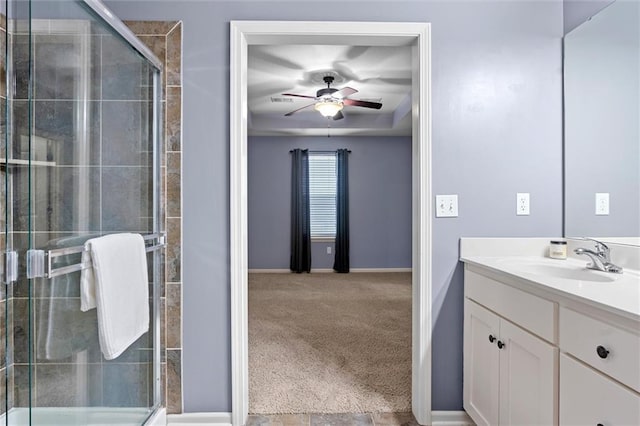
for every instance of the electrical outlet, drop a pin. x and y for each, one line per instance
(328, 249)
(602, 203)
(447, 205)
(522, 204)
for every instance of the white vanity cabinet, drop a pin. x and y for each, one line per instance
(537, 355)
(588, 397)
(510, 375)
(599, 370)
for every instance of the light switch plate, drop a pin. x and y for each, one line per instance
(447, 205)
(522, 204)
(602, 203)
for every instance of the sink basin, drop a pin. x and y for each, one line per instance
(567, 271)
(582, 274)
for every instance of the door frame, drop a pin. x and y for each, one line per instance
(416, 35)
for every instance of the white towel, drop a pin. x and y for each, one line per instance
(118, 286)
(87, 281)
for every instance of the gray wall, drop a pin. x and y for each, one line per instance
(379, 195)
(497, 130)
(602, 134)
(575, 12)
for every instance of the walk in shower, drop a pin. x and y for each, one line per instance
(80, 125)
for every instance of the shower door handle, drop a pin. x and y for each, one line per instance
(35, 263)
(11, 267)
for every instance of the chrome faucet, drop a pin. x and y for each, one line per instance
(600, 258)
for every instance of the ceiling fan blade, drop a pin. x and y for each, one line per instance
(296, 110)
(344, 92)
(366, 104)
(298, 96)
(338, 116)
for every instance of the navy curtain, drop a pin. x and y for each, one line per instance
(341, 262)
(300, 213)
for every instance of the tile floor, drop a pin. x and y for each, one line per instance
(346, 419)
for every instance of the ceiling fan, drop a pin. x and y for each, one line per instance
(329, 101)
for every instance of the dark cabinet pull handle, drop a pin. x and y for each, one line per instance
(491, 338)
(602, 352)
(500, 344)
(599, 424)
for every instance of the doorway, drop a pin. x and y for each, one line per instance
(415, 35)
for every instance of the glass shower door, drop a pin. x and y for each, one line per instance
(79, 160)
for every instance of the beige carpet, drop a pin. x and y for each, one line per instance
(329, 343)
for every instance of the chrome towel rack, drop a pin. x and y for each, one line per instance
(38, 260)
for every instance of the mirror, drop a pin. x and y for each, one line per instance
(602, 126)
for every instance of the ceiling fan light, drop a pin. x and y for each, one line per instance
(328, 108)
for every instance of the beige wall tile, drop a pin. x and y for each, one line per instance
(173, 117)
(174, 381)
(174, 316)
(174, 54)
(151, 27)
(174, 244)
(173, 184)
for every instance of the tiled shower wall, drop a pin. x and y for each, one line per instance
(164, 38)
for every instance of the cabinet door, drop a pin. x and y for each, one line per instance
(528, 378)
(589, 398)
(481, 364)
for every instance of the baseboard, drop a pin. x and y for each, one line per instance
(451, 418)
(382, 270)
(190, 419)
(322, 270)
(438, 418)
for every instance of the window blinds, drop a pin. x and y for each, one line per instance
(322, 194)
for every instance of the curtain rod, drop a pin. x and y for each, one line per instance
(319, 152)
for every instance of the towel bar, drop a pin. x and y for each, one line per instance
(153, 242)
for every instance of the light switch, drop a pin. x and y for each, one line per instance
(602, 203)
(447, 205)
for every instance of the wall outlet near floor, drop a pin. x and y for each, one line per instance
(602, 203)
(522, 204)
(447, 205)
(328, 249)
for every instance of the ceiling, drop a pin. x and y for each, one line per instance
(379, 74)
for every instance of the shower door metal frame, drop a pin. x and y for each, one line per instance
(118, 26)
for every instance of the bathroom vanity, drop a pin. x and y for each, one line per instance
(548, 341)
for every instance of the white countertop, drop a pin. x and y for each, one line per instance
(617, 293)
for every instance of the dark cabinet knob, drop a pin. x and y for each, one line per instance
(599, 424)
(602, 352)
(500, 344)
(491, 338)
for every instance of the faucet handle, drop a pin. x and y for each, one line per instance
(601, 248)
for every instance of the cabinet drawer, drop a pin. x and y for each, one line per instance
(531, 312)
(589, 398)
(582, 336)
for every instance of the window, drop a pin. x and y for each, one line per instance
(322, 194)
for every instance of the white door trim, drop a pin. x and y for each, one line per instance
(417, 35)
